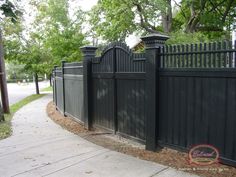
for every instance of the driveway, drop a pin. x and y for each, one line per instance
(39, 147)
(18, 92)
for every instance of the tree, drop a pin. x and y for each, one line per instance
(34, 57)
(116, 19)
(53, 37)
(62, 35)
(8, 10)
(207, 15)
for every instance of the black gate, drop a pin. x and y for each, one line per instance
(118, 88)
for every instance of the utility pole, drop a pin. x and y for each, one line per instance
(3, 82)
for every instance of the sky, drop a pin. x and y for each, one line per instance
(84, 4)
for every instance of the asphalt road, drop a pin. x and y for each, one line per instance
(17, 92)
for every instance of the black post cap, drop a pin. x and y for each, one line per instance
(154, 40)
(89, 51)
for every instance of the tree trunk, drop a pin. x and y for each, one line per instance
(36, 83)
(167, 18)
(3, 82)
(50, 77)
(193, 21)
(192, 25)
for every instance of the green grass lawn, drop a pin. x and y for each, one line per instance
(48, 89)
(5, 127)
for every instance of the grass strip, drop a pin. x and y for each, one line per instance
(47, 89)
(5, 127)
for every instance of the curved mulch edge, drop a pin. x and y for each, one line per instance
(165, 156)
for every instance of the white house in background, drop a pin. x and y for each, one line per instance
(234, 47)
(234, 36)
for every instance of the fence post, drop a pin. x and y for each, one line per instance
(153, 43)
(55, 86)
(63, 86)
(88, 53)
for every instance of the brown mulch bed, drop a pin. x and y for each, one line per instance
(165, 156)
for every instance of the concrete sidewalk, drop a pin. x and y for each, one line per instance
(39, 147)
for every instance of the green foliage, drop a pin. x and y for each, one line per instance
(8, 9)
(115, 19)
(62, 36)
(53, 37)
(15, 71)
(197, 37)
(48, 89)
(206, 16)
(183, 38)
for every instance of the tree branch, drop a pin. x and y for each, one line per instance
(227, 10)
(215, 7)
(180, 9)
(143, 20)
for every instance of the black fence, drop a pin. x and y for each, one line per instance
(175, 96)
(197, 97)
(68, 89)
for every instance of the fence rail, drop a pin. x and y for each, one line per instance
(171, 95)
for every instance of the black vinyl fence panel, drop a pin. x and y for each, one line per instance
(68, 89)
(73, 80)
(198, 110)
(118, 81)
(58, 89)
(197, 103)
(170, 95)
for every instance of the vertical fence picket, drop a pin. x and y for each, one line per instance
(224, 59)
(205, 56)
(167, 57)
(214, 55)
(234, 55)
(183, 56)
(209, 61)
(171, 56)
(196, 56)
(191, 50)
(187, 55)
(178, 57)
(175, 61)
(219, 59)
(200, 55)
(230, 54)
